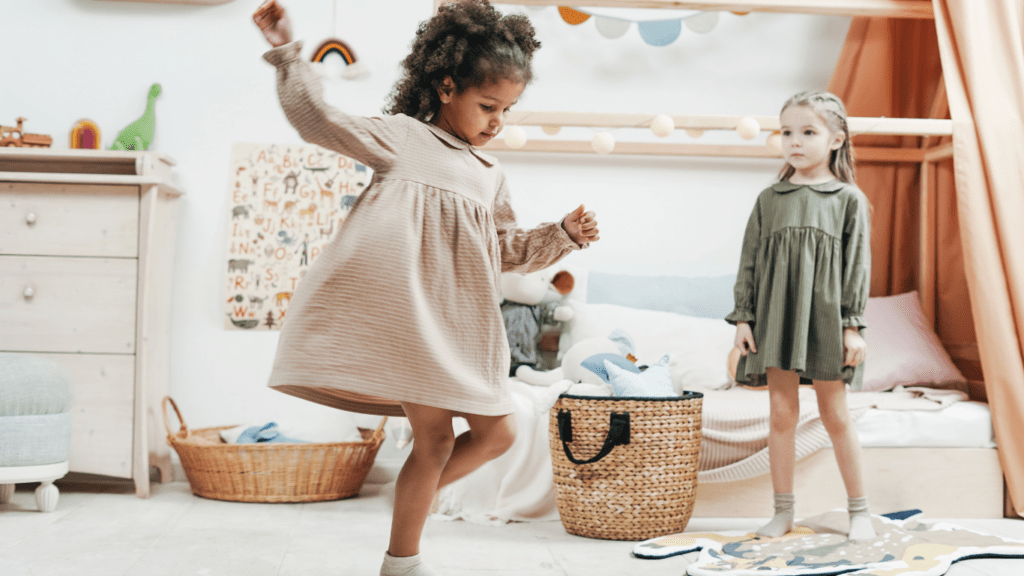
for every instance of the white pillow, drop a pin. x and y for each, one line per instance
(698, 347)
(903, 348)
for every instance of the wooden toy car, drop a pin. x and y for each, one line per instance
(16, 137)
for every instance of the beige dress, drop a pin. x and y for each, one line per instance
(403, 305)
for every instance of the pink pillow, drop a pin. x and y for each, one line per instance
(903, 348)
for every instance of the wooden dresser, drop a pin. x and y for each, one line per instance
(86, 251)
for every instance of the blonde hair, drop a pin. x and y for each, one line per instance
(830, 108)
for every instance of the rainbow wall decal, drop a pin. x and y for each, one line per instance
(353, 68)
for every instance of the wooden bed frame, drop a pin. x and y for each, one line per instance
(944, 482)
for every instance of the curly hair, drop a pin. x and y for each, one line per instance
(470, 41)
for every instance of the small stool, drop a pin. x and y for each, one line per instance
(35, 425)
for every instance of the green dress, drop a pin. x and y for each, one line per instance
(804, 276)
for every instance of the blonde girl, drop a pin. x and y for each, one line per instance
(803, 282)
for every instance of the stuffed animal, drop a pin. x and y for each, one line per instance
(532, 302)
(584, 361)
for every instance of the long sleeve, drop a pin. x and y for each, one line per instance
(527, 250)
(745, 291)
(856, 261)
(372, 141)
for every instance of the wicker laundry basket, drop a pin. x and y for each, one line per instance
(625, 468)
(271, 472)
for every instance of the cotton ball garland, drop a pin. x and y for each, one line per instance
(774, 142)
(603, 143)
(694, 132)
(748, 128)
(662, 125)
(515, 137)
(551, 130)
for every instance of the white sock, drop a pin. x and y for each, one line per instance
(782, 522)
(860, 519)
(405, 566)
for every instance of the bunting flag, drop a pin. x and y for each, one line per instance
(573, 16)
(653, 32)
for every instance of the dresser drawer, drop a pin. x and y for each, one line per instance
(101, 413)
(67, 304)
(69, 220)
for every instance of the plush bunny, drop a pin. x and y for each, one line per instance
(532, 302)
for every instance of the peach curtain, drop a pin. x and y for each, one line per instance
(891, 67)
(982, 53)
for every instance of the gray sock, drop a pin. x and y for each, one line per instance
(860, 519)
(782, 522)
(405, 566)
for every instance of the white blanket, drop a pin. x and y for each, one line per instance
(519, 486)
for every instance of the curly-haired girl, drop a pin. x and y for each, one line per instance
(400, 313)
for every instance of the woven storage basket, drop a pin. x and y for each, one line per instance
(635, 475)
(271, 472)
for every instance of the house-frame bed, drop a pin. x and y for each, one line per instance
(945, 482)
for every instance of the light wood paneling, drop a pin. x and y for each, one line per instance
(69, 220)
(75, 304)
(102, 412)
(944, 482)
(884, 8)
(857, 124)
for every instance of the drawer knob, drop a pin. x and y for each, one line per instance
(30, 219)
(29, 293)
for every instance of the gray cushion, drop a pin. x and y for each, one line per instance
(703, 297)
(32, 385)
(34, 440)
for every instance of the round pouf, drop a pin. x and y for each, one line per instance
(35, 422)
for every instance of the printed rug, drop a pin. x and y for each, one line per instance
(905, 545)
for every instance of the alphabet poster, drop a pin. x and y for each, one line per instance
(285, 204)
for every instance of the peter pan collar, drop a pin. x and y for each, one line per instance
(455, 143)
(829, 187)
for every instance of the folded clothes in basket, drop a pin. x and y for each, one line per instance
(269, 432)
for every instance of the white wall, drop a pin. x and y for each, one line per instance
(63, 60)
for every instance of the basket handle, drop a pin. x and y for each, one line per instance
(618, 433)
(380, 427)
(184, 432)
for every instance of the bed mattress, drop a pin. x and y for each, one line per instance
(961, 425)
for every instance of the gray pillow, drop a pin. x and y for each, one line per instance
(701, 297)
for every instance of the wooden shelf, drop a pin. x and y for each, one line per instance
(115, 179)
(858, 125)
(88, 167)
(921, 9)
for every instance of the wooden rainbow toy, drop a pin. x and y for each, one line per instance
(86, 135)
(353, 68)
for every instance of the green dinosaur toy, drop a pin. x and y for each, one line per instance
(139, 134)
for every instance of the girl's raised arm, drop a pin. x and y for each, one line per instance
(372, 141)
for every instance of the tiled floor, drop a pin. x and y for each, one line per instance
(105, 530)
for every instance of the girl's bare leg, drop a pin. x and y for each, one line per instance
(433, 441)
(783, 393)
(488, 437)
(835, 415)
(437, 459)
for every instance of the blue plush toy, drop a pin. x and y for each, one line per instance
(654, 382)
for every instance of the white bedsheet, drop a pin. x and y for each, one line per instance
(960, 425)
